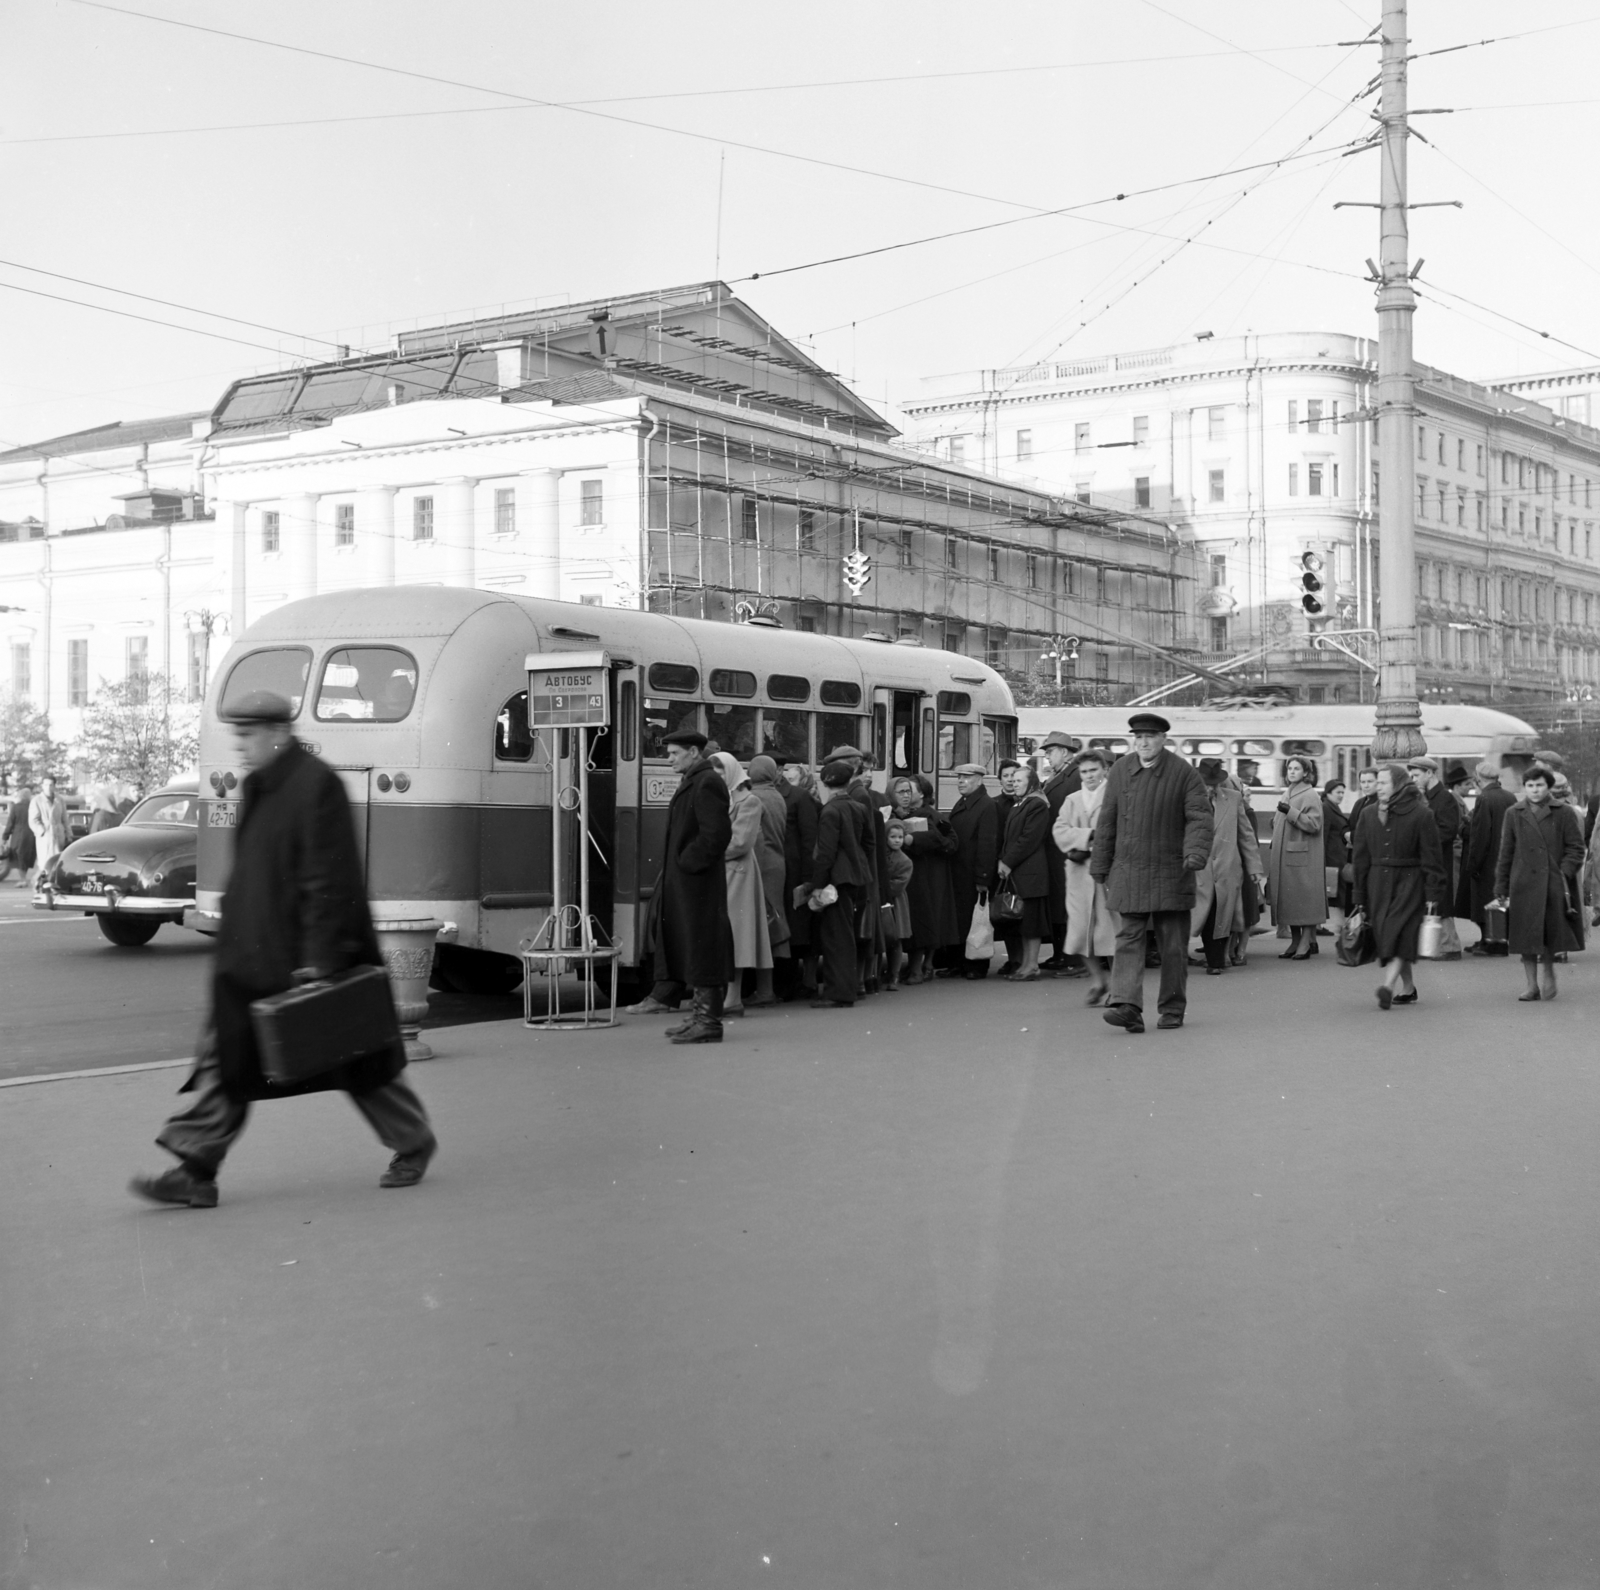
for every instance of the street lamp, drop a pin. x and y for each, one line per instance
(202, 621)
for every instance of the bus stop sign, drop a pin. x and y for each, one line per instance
(568, 690)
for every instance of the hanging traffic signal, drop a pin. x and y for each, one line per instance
(1310, 581)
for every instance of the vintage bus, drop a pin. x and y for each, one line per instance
(417, 695)
(1252, 741)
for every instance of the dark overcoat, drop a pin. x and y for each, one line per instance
(799, 842)
(1153, 835)
(295, 899)
(18, 835)
(975, 821)
(930, 895)
(694, 939)
(1483, 844)
(1060, 785)
(844, 841)
(1399, 870)
(1540, 851)
(1446, 811)
(1024, 845)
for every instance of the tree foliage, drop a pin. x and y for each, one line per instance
(27, 752)
(140, 731)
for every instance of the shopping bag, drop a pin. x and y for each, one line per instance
(1437, 939)
(1006, 906)
(1355, 945)
(980, 936)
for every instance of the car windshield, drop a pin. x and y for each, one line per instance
(166, 811)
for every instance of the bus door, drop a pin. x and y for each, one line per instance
(898, 734)
(625, 869)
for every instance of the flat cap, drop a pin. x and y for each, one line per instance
(1426, 763)
(1065, 741)
(844, 753)
(1488, 770)
(259, 706)
(1148, 723)
(966, 769)
(686, 737)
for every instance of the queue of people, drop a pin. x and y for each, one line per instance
(831, 891)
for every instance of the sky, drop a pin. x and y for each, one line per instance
(669, 144)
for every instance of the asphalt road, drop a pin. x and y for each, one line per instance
(70, 1001)
(958, 1289)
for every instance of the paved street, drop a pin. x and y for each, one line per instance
(959, 1289)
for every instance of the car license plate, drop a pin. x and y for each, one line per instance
(223, 814)
(95, 885)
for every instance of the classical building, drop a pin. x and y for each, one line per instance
(1263, 448)
(668, 450)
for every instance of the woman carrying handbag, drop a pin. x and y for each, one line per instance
(1296, 883)
(1024, 871)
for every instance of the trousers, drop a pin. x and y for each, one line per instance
(202, 1134)
(833, 934)
(1171, 930)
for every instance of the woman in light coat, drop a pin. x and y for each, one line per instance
(1091, 923)
(769, 852)
(747, 904)
(1296, 885)
(1219, 885)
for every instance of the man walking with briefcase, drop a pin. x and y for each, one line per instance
(295, 912)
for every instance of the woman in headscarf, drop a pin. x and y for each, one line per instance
(930, 897)
(1023, 868)
(1536, 874)
(769, 856)
(747, 905)
(802, 800)
(1399, 876)
(1091, 923)
(1219, 885)
(18, 837)
(1296, 885)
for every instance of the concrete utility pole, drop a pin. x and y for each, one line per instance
(1399, 717)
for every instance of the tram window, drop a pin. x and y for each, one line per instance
(836, 729)
(1203, 747)
(954, 703)
(999, 742)
(955, 745)
(734, 730)
(840, 693)
(1257, 773)
(374, 684)
(628, 720)
(281, 669)
(513, 739)
(788, 687)
(661, 718)
(1254, 748)
(1115, 747)
(674, 676)
(1305, 747)
(786, 734)
(732, 682)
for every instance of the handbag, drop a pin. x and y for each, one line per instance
(1356, 945)
(1006, 906)
(980, 936)
(321, 1026)
(1494, 924)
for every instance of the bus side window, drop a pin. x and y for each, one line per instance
(955, 745)
(513, 739)
(661, 718)
(733, 728)
(835, 729)
(628, 721)
(999, 742)
(786, 734)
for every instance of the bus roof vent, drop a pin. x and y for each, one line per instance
(875, 634)
(765, 621)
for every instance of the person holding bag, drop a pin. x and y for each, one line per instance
(1091, 923)
(1536, 875)
(975, 821)
(1023, 869)
(1399, 876)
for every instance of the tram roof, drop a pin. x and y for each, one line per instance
(1340, 720)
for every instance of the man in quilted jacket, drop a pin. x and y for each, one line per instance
(1153, 836)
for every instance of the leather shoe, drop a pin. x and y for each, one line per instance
(1170, 1022)
(1129, 1017)
(176, 1186)
(648, 1006)
(406, 1170)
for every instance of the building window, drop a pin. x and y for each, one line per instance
(1294, 415)
(21, 670)
(1538, 525)
(1080, 438)
(1422, 442)
(1588, 540)
(1441, 503)
(1141, 430)
(1102, 667)
(994, 563)
(1478, 510)
(197, 666)
(1033, 571)
(1080, 490)
(1294, 480)
(1219, 634)
(1586, 489)
(1141, 491)
(592, 599)
(749, 519)
(591, 502)
(505, 510)
(950, 552)
(1024, 446)
(1422, 499)
(906, 548)
(1314, 415)
(1334, 491)
(1217, 424)
(1505, 469)
(1441, 447)
(1572, 489)
(269, 531)
(77, 673)
(1313, 480)
(136, 667)
(958, 449)
(1461, 456)
(422, 518)
(344, 524)
(1217, 486)
(1477, 460)
(1219, 569)
(806, 530)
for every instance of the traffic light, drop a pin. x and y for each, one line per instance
(1310, 581)
(857, 570)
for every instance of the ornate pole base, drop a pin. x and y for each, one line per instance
(1398, 736)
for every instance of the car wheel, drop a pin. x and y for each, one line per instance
(126, 932)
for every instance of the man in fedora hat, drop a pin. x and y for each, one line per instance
(1061, 754)
(295, 911)
(1153, 836)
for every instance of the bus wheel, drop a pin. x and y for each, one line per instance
(127, 932)
(463, 971)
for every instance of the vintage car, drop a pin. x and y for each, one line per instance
(133, 877)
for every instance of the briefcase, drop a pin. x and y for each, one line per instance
(317, 1027)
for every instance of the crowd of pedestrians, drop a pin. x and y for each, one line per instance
(814, 885)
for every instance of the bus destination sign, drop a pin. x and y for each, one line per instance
(568, 691)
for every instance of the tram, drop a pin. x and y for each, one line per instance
(418, 697)
(1252, 741)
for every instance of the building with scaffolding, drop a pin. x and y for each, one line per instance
(1264, 449)
(665, 450)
